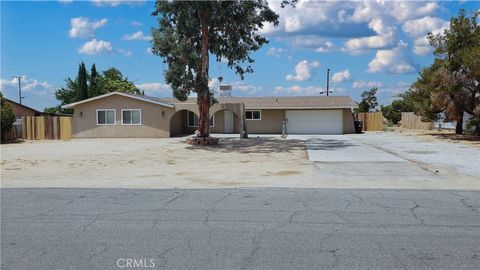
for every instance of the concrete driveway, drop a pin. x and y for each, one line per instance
(341, 148)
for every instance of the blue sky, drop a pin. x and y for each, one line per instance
(365, 44)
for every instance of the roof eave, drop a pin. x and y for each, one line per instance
(72, 105)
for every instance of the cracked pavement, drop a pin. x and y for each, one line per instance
(263, 228)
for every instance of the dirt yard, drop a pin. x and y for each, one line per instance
(370, 160)
(154, 163)
(440, 135)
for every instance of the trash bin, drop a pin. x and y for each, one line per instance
(358, 126)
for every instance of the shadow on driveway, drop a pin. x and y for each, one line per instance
(328, 144)
(254, 145)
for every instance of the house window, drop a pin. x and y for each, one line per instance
(253, 115)
(193, 120)
(106, 117)
(131, 117)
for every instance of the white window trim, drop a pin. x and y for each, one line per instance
(130, 116)
(259, 119)
(114, 117)
(212, 123)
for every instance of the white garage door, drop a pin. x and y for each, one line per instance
(315, 122)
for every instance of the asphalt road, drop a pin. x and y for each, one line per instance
(239, 229)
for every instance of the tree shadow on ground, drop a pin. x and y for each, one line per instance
(328, 144)
(253, 145)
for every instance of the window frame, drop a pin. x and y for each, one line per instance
(212, 123)
(253, 119)
(131, 124)
(107, 124)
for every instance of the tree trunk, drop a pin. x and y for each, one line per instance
(459, 127)
(203, 102)
(477, 130)
(203, 98)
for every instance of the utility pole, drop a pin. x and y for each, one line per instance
(328, 84)
(328, 79)
(19, 88)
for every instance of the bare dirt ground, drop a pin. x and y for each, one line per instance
(154, 163)
(256, 162)
(440, 135)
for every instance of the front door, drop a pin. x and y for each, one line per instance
(229, 124)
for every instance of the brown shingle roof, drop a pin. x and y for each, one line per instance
(297, 102)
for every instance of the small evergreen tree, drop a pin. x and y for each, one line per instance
(93, 81)
(7, 117)
(82, 82)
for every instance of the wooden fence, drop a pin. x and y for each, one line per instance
(372, 121)
(412, 121)
(42, 128)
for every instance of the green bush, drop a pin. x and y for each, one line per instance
(7, 116)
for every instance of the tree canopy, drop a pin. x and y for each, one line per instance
(90, 85)
(189, 32)
(7, 116)
(451, 85)
(369, 100)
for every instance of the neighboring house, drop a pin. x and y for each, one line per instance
(121, 115)
(22, 110)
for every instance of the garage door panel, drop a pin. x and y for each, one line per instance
(314, 121)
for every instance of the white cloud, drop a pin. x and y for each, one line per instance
(28, 86)
(392, 61)
(304, 91)
(139, 35)
(325, 47)
(94, 47)
(303, 71)
(342, 76)
(136, 23)
(154, 88)
(275, 51)
(419, 27)
(385, 37)
(65, 2)
(116, 3)
(418, 30)
(366, 84)
(84, 28)
(149, 51)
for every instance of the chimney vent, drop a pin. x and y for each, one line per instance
(225, 90)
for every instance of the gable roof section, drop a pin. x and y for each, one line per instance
(21, 105)
(292, 102)
(142, 98)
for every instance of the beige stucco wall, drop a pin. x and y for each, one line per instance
(270, 123)
(348, 122)
(155, 124)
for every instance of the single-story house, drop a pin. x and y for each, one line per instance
(21, 110)
(121, 115)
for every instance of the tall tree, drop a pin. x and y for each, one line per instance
(82, 82)
(369, 100)
(110, 80)
(457, 80)
(93, 81)
(190, 31)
